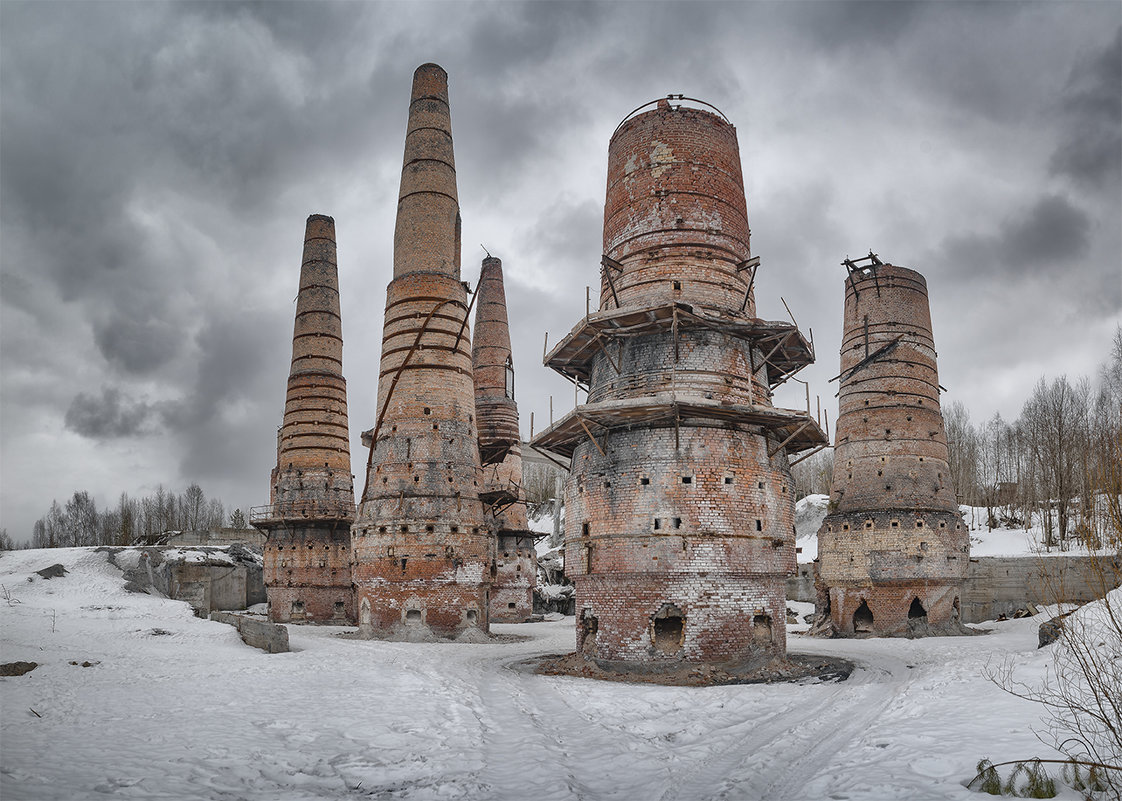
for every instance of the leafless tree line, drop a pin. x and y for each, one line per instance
(79, 522)
(1055, 464)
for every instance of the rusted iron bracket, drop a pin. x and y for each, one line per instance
(393, 385)
(467, 314)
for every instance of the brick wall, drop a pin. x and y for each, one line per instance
(894, 536)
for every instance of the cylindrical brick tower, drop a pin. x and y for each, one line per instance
(423, 554)
(307, 552)
(893, 552)
(680, 504)
(512, 589)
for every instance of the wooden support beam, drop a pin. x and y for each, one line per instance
(599, 341)
(807, 455)
(748, 291)
(783, 444)
(884, 351)
(552, 458)
(594, 442)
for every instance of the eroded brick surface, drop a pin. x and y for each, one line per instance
(679, 533)
(893, 541)
(307, 555)
(423, 549)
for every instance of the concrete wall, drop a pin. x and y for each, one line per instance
(998, 585)
(269, 637)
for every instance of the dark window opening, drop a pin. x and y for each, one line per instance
(428, 410)
(677, 284)
(657, 523)
(297, 610)
(584, 529)
(916, 610)
(728, 479)
(677, 522)
(863, 619)
(687, 479)
(511, 605)
(589, 625)
(472, 615)
(759, 525)
(761, 628)
(644, 481)
(403, 561)
(413, 617)
(668, 629)
(340, 609)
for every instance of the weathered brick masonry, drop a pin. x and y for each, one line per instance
(893, 552)
(307, 524)
(512, 588)
(680, 504)
(423, 552)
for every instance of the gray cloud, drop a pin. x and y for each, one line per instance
(1090, 149)
(139, 346)
(108, 416)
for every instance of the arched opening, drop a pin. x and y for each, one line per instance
(916, 610)
(297, 610)
(668, 629)
(863, 619)
(761, 628)
(340, 610)
(472, 616)
(413, 617)
(589, 625)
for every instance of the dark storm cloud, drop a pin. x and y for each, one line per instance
(1090, 149)
(1043, 237)
(865, 23)
(138, 346)
(108, 416)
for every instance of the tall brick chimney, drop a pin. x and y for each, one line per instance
(423, 554)
(307, 525)
(680, 504)
(893, 552)
(512, 599)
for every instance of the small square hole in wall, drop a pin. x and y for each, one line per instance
(919, 524)
(381, 529)
(455, 529)
(430, 529)
(868, 524)
(657, 523)
(644, 481)
(584, 529)
(943, 524)
(896, 524)
(677, 522)
(676, 284)
(760, 485)
(759, 525)
(428, 410)
(687, 479)
(728, 479)
(405, 528)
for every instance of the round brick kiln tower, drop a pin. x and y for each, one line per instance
(512, 587)
(893, 552)
(307, 568)
(680, 504)
(423, 553)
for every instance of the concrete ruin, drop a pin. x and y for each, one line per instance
(307, 523)
(423, 549)
(893, 551)
(680, 504)
(500, 451)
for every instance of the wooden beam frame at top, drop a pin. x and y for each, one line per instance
(587, 431)
(783, 444)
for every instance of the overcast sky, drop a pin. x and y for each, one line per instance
(158, 161)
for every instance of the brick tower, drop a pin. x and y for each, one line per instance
(423, 553)
(307, 524)
(512, 599)
(893, 552)
(680, 504)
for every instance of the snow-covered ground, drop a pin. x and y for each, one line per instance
(174, 707)
(811, 511)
